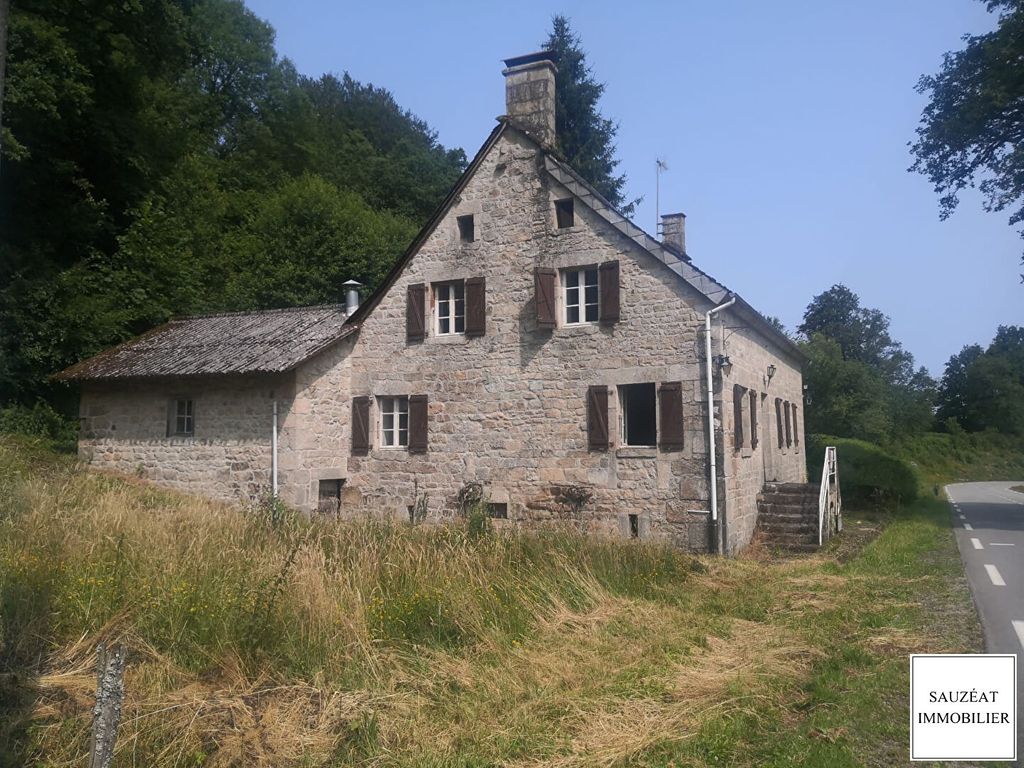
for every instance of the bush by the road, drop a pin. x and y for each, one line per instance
(866, 472)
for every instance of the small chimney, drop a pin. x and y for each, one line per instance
(673, 232)
(530, 94)
(351, 296)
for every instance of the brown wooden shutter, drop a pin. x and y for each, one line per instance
(789, 431)
(670, 406)
(755, 428)
(796, 431)
(608, 280)
(415, 310)
(476, 306)
(738, 393)
(418, 424)
(360, 426)
(597, 418)
(544, 293)
(778, 419)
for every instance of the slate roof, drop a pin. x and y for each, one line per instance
(270, 341)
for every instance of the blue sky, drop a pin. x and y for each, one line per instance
(784, 125)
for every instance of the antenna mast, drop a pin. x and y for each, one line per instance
(659, 166)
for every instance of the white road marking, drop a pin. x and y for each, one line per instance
(1018, 627)
(976, 544)
(963, 517)
(999, 544)
(968, 527)
(994, 575)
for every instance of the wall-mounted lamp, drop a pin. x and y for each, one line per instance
(722, 361)
(771, 372)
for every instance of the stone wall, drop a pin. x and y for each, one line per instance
(745, 467)
(124, 429)
(508, 410)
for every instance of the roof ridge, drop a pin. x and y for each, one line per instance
(238, 313)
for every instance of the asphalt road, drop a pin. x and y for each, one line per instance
(989, 524)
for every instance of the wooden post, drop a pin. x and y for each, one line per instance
(106, 715)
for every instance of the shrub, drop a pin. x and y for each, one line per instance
(41, 420)
(867, 474)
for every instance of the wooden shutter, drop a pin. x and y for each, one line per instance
(778, 419)
(544, 293)
(789, 431)
(670, 407)
(738, 393)
(597, 418)
(796, 431)
(608, 281)
(476, 306)
(415, 311)
(360, 426)
(418, 424)
(755, 428)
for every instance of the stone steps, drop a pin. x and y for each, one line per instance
(788, 516)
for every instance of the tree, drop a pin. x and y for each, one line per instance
(984, 389)
(972, 130)
(585, 137)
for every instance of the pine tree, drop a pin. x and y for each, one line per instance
(585, 137)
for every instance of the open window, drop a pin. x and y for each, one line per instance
(467, 228)
(639, 414)
(565, 215)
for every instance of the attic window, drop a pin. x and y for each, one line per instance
(467, 230)
(564, 213)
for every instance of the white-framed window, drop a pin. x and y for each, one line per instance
(450, 308)
(394, 422)
(579, 296)
(182, 421)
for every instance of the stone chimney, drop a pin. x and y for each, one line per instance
(530, 94)
(673, 232)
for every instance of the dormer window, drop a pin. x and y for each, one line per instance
(467, 229)
(564, 214)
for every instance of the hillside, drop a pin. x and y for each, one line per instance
(257, 638)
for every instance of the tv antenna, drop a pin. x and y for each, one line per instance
(659, 166)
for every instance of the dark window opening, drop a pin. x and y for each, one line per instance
(634, 526)
(467, 229)
(564, 214)
(639, 415)
(411, 509)
(498, 511)
(329, 501)
(182, 419)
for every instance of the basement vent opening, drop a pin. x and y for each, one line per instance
(499, 511)
(329, 501)
(634, 526)
(467, 230)
(564, 213)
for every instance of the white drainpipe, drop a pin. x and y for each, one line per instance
(711, 416)
(273, 452)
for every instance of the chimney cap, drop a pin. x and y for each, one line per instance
(352, 284)
(673, 215)
(532, 58)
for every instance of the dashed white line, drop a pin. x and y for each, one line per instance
(976, 544)
(999, 544)
(995, 576)
(1018, 627)
(968, 527)
(963, 517)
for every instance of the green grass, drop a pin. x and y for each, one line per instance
(941, 458)
(313, 643)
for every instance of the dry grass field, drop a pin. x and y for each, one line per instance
(260, 638)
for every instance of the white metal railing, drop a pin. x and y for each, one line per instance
(830, 501)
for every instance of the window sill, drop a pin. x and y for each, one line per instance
(580, 327)
(636, 452)
(448, 338)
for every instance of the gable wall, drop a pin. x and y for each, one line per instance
(509, 409)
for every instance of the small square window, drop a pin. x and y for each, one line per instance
(467, 228)
(182, 421)
(329, 501)
(580, 296)
(450, 308)
(564, 213)
(499, 511)
(639, 415)
(394, 422)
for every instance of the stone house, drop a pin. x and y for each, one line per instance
(531, 344)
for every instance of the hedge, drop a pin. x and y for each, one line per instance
(867, 474)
